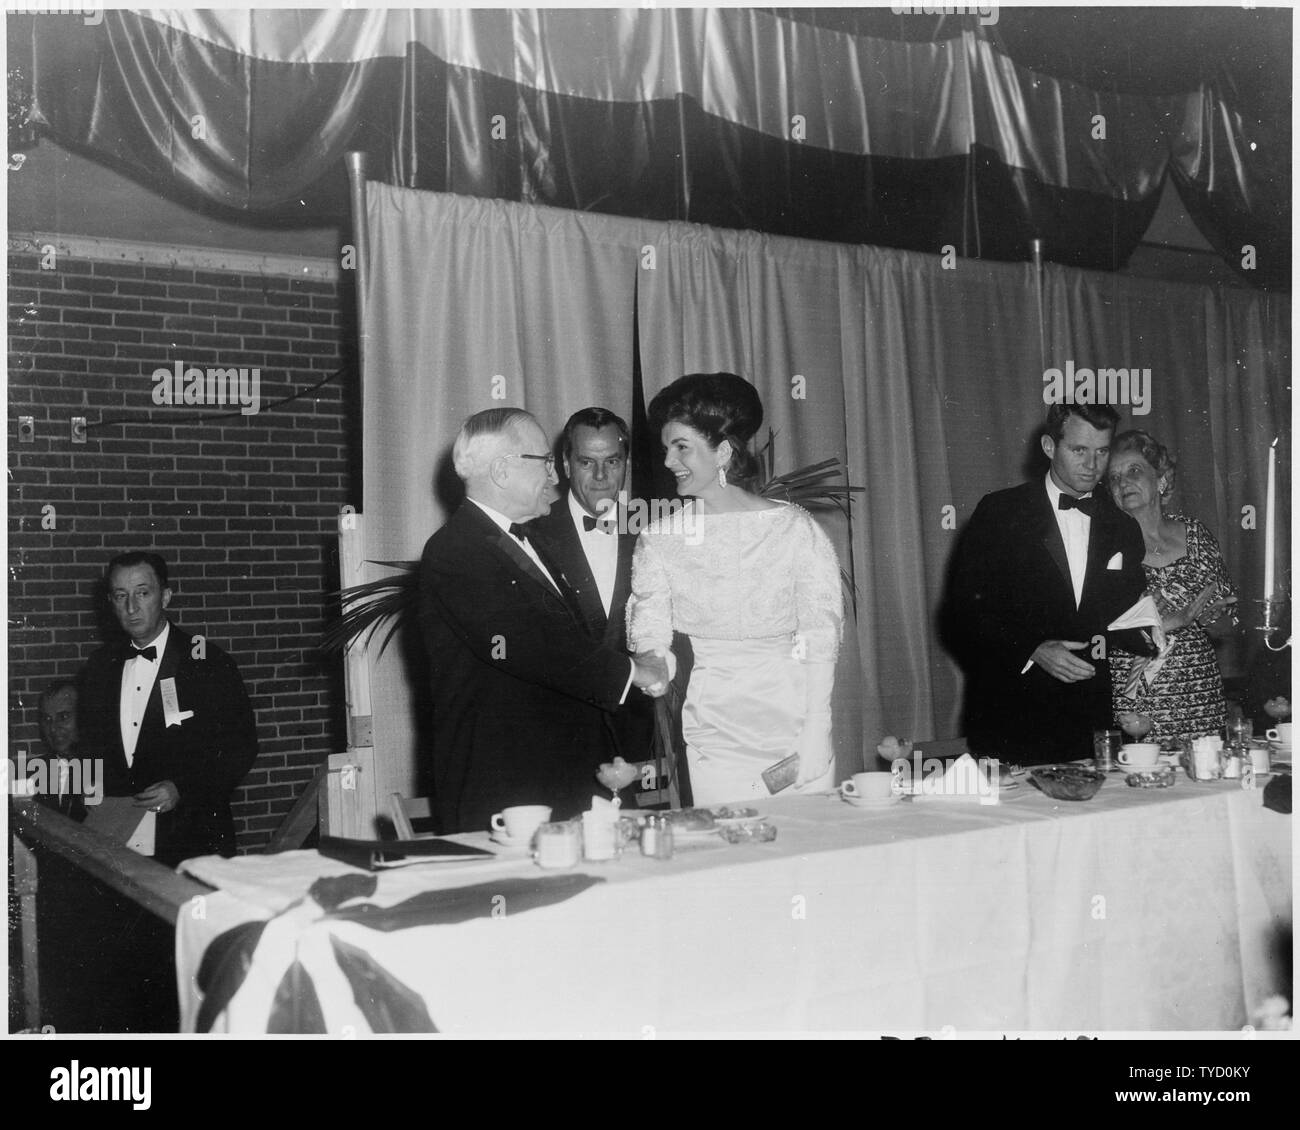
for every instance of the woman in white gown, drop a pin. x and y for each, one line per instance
(754, 583)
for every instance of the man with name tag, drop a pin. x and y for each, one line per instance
(168, 714)
(587, 540)
(1040, 574)
(520, 687)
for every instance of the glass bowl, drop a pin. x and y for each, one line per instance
(1067, 782)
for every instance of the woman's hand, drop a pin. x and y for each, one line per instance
(1190, 613)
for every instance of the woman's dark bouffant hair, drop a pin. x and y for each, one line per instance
(717, 405)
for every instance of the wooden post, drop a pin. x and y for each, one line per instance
(349, 801)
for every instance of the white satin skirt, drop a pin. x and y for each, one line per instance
(744, 711)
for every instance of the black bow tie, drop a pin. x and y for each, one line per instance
(150, 653)
(1067, 502)
(604, 525)
(517, 531)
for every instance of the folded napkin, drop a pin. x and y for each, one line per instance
(963, 779)
(1144, 614)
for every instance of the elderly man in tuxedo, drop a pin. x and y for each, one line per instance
(522, 685)
(1041, 571)
(169, 715)
(586, 540)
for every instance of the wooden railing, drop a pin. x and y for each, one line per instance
(35, 827)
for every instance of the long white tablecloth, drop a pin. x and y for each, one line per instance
(1135, 911)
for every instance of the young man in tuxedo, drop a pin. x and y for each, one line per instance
(586, 539)
(168, 714)
(1040, 572)
(520, 686)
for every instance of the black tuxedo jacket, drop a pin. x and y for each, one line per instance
(520, 690)
(206, 756)
(1011, 591)
(559, 544)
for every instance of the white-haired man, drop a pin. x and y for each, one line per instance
(519, 685)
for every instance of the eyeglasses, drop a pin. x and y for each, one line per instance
(549, 460)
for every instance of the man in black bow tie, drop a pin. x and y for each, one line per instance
(168, 714)
(1039, 573)
(522, 687)
(587, 538)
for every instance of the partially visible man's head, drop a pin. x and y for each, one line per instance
(595, 448)
(1077, 440)
(505, 459)
(57, 710)
(138, 593)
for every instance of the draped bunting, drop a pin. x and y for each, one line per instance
(927, 382)
(734, 118)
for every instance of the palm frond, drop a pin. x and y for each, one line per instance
(366, 607)
(811, 488)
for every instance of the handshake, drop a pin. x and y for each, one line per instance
(652, 671)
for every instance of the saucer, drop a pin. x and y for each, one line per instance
(864, 802)
(506, 840)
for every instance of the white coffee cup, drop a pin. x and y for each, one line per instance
(520, 821)
(1281, 735)
(868, 786)
(1140, 755)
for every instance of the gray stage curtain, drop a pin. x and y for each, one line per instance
(925, 378)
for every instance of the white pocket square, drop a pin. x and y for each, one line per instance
(1116, 562)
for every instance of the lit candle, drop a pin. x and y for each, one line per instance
(1270, 503)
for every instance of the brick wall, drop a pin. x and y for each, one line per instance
(243, 508)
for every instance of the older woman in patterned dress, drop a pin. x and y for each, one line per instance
(1181, 691)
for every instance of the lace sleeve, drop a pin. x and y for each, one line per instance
(650, 607)
(819, 601)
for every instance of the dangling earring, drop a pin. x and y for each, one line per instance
(722, 476)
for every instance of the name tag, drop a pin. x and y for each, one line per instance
(173, 715)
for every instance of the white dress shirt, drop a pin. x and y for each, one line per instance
(601, 550)
(526, 545)
(1075, 526)
(138, 677)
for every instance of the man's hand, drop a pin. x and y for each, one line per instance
(162, 796)
(650, 673)
(1054, 657)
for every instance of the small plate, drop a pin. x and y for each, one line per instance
(509, 841)
(695, 835)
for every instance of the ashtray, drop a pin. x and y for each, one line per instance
(1067, 782)
(1159, 778)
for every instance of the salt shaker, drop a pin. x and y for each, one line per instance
(664, 846)
(650, 836)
